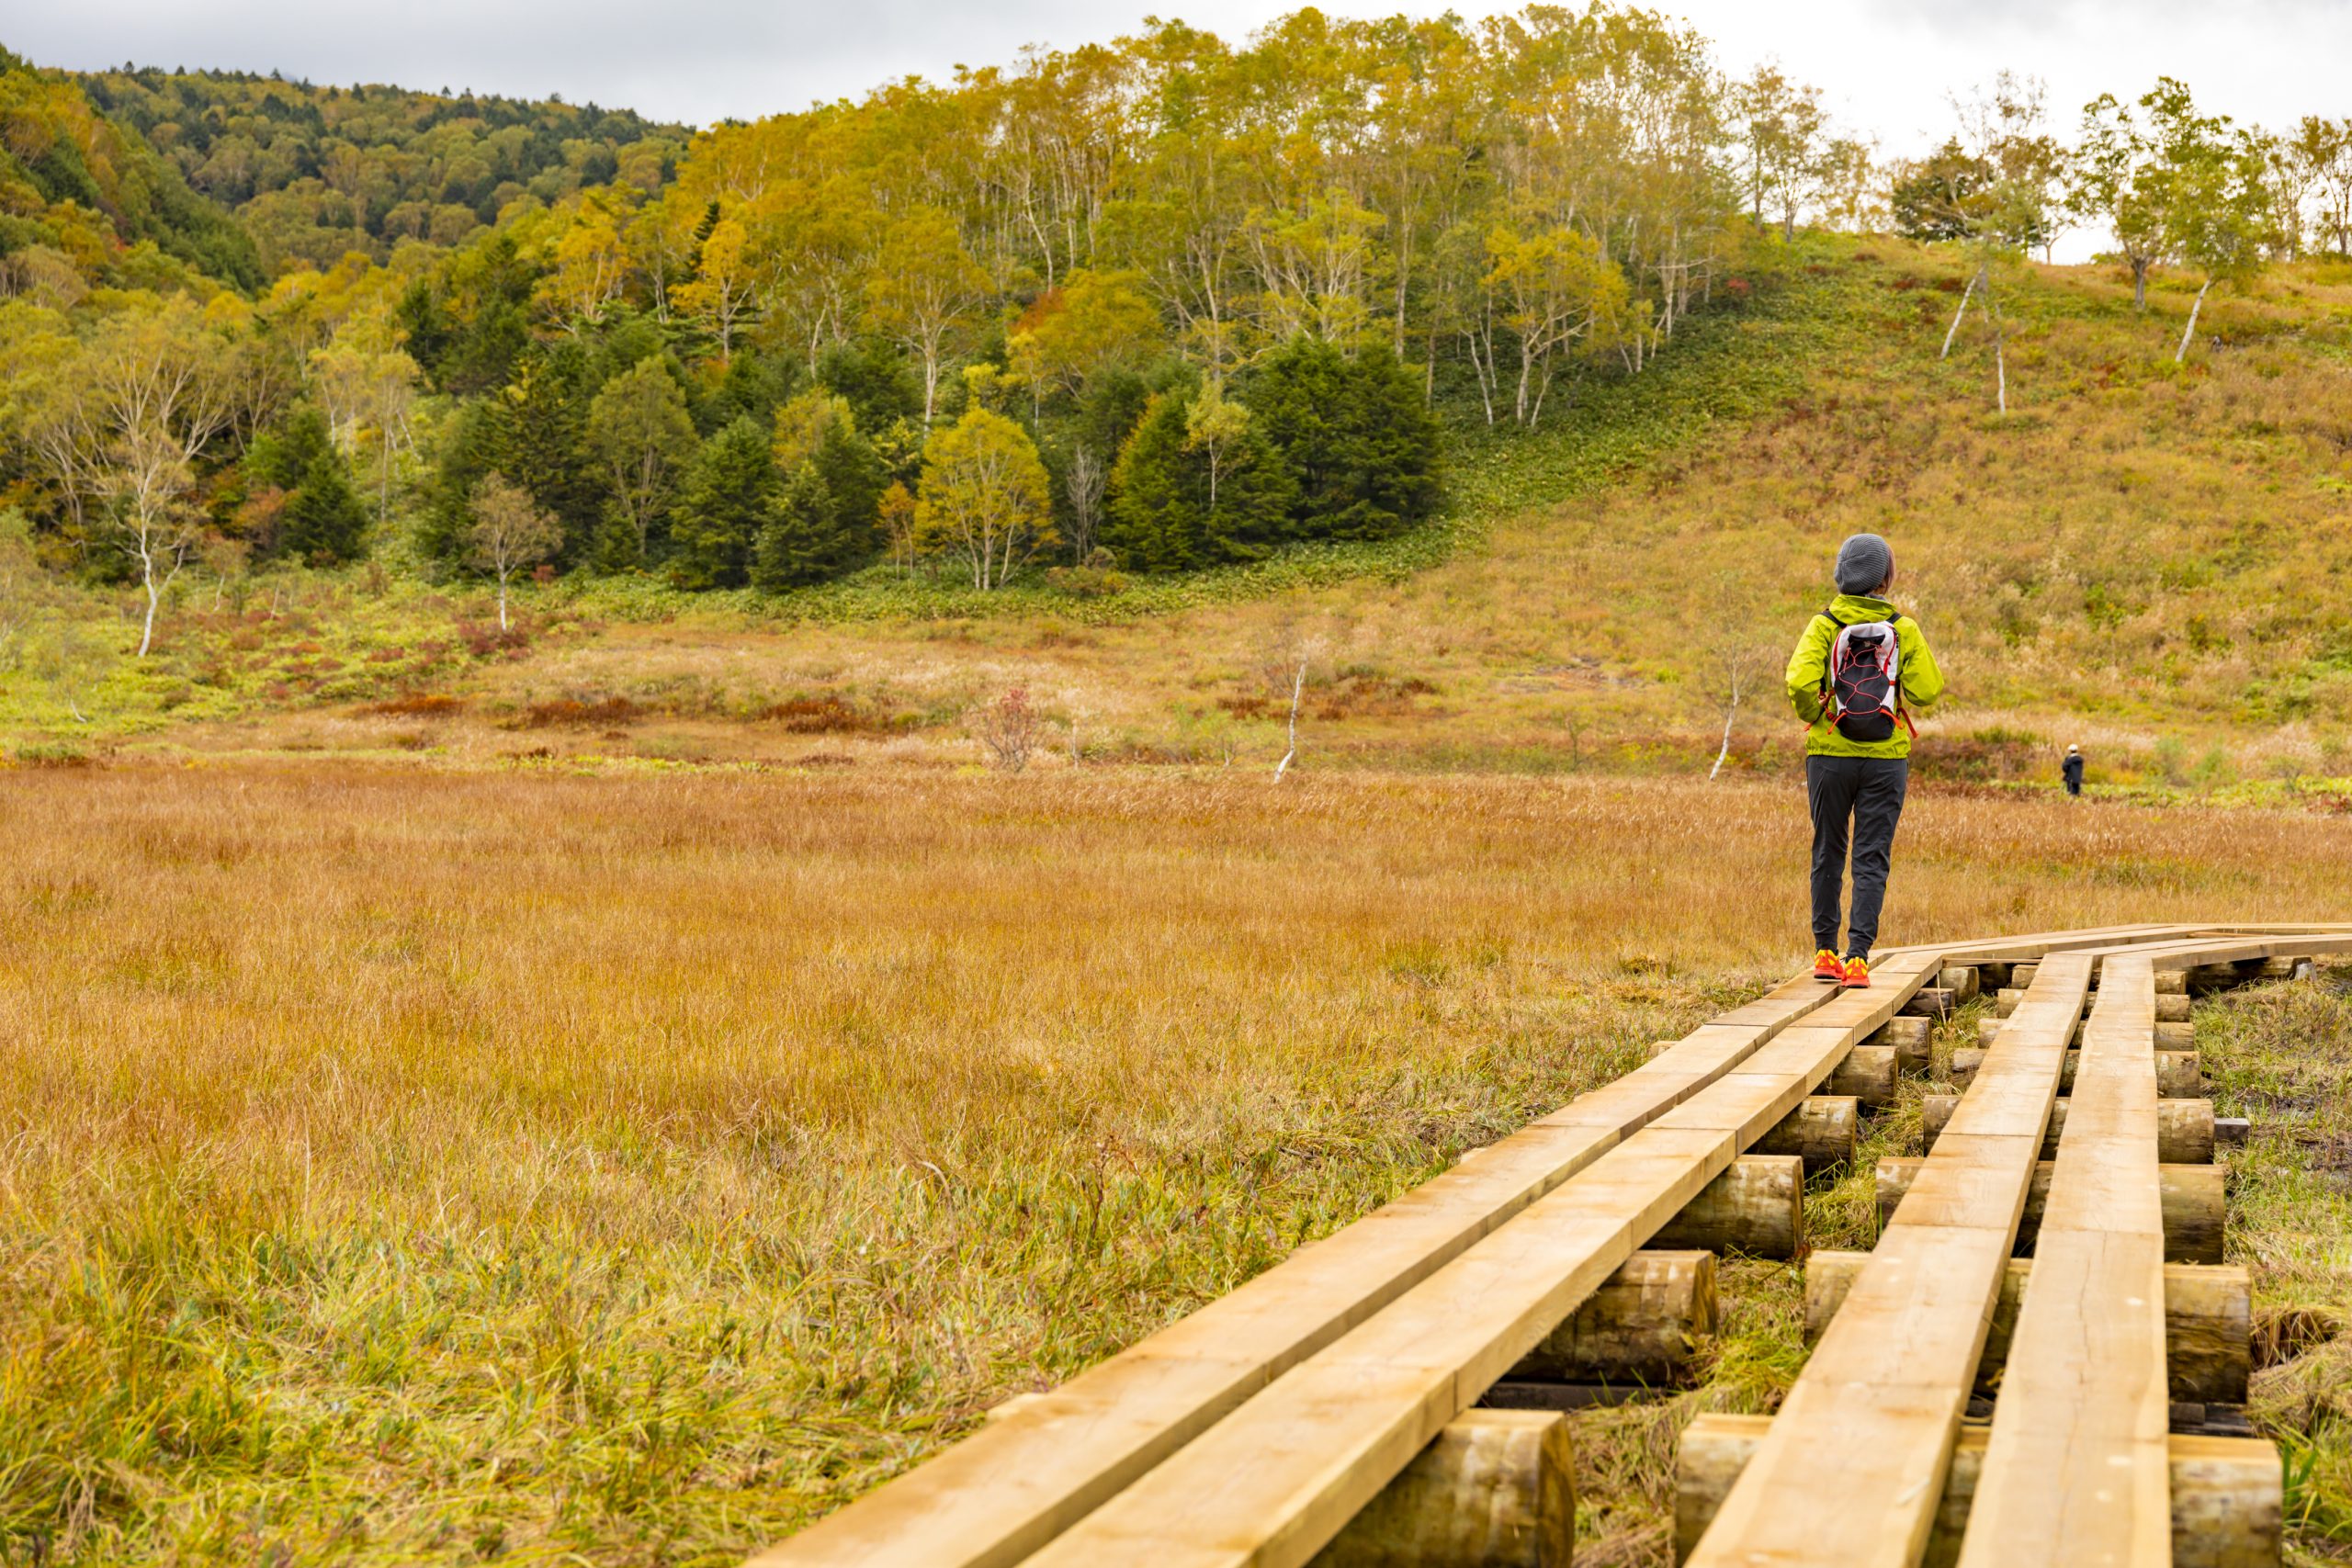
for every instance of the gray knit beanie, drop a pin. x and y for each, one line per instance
(1863, 562)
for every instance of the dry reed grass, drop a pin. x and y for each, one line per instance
(407, 1165)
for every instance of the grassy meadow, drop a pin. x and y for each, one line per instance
(2137, 557)
(409, 1163)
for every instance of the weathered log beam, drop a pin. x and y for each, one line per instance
(2178, 1076)
(1756, 1206)
(2194, 1206)
(2169, 1036)
(1643, 1326)
(1821, 1131)
(1494, 1487)
(2172, 1007)
(2209, 1322)
(2184, 1127)
(1962, 980)
(2228, 1493)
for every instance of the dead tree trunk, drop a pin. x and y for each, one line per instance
(2189, 330)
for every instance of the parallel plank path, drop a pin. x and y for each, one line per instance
(1252, 1431)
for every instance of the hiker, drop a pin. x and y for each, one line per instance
(2073, 769)
(1859, 668)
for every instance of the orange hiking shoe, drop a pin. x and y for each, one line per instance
(1858, 974)
(1826, 967)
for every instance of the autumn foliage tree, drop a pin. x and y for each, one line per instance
(985, 500)
(511, 532)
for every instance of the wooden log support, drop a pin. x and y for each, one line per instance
(2172, 1007)
(1643, 1326)
(1755, 1207)
(2172, 983)
(1930, 1002)
(1962, 980)
(2021, 977)
(2208, 1331)
(1868, 1073)
(2228, 1493)
(1821, 1131)
(2231, 1130)
(2194, 1206)
(2208, 1323)
(1494, 1487)
(1912, 1039)
(2184, 1127)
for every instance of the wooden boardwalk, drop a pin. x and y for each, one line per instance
(1328, 1407)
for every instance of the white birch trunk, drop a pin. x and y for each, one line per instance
(1297, 688)
(1730, 713)
(2189, 330)
(1957, 315)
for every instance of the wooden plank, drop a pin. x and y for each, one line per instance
(2076, 1471)
(2027, 948)
(1006, 1490)
(2232, 947)
(1269, 1484)
(1855, 1463)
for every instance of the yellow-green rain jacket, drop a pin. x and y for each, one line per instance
(1808, 677)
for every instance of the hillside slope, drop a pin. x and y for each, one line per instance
(2139, 556)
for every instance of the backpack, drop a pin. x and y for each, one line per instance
(1862, 689)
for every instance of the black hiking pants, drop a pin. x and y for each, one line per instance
(1860, 799)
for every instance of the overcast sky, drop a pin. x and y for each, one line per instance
(1886, 66)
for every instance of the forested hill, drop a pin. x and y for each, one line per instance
(316, 172)
(240, 178)
(85, 199)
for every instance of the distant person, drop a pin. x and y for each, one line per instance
(1859, 671)
(2073, 769)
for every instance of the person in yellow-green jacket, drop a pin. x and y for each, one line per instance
(1860, 671)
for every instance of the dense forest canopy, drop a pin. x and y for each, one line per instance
(1142, 306)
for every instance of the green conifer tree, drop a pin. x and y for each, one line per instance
(324, 522)
(1197, 484)
(1357, 435)
(804, 540)
(723, 504)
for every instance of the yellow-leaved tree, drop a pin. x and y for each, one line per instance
(984, 499)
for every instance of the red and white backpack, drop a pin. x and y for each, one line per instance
(1862, 692)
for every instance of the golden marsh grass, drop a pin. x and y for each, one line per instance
(410, 1165)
